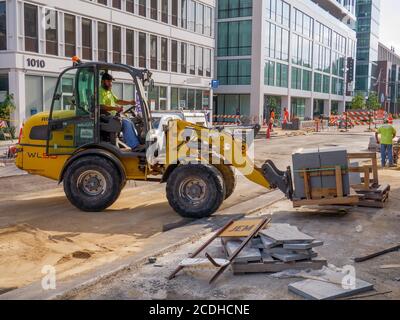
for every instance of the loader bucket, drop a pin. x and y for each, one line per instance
(279, 179)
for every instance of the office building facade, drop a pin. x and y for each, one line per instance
(291, 52)
(173, 38)
(368, 21)
(387, 83)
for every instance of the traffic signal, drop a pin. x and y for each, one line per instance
(350, 69)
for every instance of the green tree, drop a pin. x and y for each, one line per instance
(7, 107)
(272, 103)
(373, 101)
(358, 102)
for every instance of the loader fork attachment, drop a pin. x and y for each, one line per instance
(279, 179)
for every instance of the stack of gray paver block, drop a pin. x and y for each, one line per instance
(276, 248)
(321, 290)
(315, 159)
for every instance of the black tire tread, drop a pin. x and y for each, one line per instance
(229, 176)
(108, 169)
(216, 185)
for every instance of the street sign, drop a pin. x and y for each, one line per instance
(214, 84)
(382, 98)
(241, 228)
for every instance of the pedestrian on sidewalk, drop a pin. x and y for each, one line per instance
(387, 133)
(285, 116)
(272, 120)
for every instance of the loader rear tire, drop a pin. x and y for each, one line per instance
(195, 190)
(229, 176)
(92, 183)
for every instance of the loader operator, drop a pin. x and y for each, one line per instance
(110, 105)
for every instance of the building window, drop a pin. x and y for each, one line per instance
(306, 80)
(298, 108)
(199, 18)
(192, 59)
(174, 98)
(51, 32)
(296, 78)
(326, 84)
(152, 97)
(234, 38)
(269, 73)
(116, 44)
(191, 99)
(200, 63)
(142, 50)
(33, 95)
(174, 5)
(163, 98)
(130, 6)
(317, 82)
(130, 47)
(282, 75)
(142, 8)
(3, 26)
(191, 15)
(102, 2)
(234, 9)
(153, 52)
(87, 39)
(70, 35)
(277, 42)
(164, 54)
(234, 72)
(31, 28)
(183, 57)
(207, 21)
(3, 86)
(184, 14)
(116, 4)
(164, 11)
(232, 103)
(174, 56)
(207, 62)
(102, 41)
(183, 98)
(154, 9)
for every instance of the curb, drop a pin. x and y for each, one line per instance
(188, 233)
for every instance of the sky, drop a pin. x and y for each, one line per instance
(390, 24)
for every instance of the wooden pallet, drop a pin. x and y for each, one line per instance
(374, 197)
(371, 193)
(325, 196)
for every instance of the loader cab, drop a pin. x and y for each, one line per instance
(75, 121)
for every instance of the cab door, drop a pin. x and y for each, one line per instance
(73, 116)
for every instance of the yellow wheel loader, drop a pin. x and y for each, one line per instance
(76, 145)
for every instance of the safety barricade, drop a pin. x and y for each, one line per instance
(226, 119)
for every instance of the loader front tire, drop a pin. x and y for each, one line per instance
(195, 190)
(92, 183)
(228, 173)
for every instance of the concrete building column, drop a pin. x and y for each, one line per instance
(341, 107)
(257, 64)
(16, 80)
(309, 108)
(327, 108)
(168, 97)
